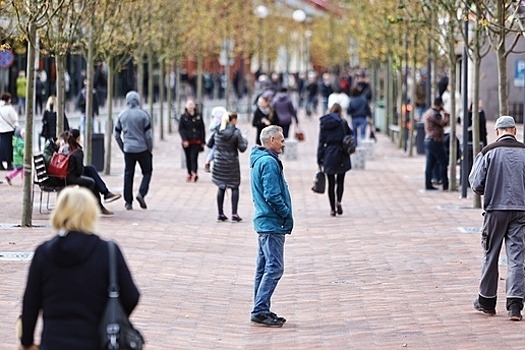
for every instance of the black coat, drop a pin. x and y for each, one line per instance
(330, 153)
(68, 282)
(49, 124)
(191, 128)
(257, 121)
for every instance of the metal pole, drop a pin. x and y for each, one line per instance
(466, 154)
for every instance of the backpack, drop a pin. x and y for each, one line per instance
(348, 144)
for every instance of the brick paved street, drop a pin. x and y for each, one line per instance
(398, 270)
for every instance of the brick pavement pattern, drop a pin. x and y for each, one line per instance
(394, 271)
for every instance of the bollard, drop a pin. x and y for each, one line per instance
(369, 146)
(359, 158)
(290, 149)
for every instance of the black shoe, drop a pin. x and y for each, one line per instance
(332, 213)
(141, 201)
(339, 209)
(267, 319)
(236, 218)
(515, 314)
(430, 188)
(111, 197)
(274, 315)
(477, 306)
(128, 206)
(222, 218)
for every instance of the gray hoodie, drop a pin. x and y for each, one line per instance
(134, 125)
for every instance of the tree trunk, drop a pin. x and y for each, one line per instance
(200, 63)
(61, 100)
(171, 111)
(140, 75)
(161, 96)
(452, 142)
(150, 94)
(413, 100)
(502, 83)
(476, 148)
(178, 91)
(27, 200)
(109, 120)
(90, 62)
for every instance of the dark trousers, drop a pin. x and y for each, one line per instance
(86, 182)
(192, 155)
(435, 154)
(90, 171)
(220, 200)
(6, 147)
(145, 160)
(336, 187)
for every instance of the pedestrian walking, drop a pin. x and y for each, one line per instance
(68, 279)
(272, 221)
(359, 110)
(435, 151)
(284, 110)
(192, 133)
(262, 117)
(8, 124)
(18, 156)
(21, 92)
(49, 120)
(331, 157)
(137, 146)
(498, 174)
(81, 105)
(227, 141)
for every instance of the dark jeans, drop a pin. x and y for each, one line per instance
(192, 156)
(335, 191)
(145, 160)
(359, 125)
(90, 171)
(269, 270)
(6, 147)
(86, 182)
(435, 154)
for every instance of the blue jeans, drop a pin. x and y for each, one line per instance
(269, 270)
(90, 171)
(359, 125)
(145, 160)
(435, 154)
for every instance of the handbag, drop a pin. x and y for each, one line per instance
(319, 182)
(59, 165)
(299, 134)
(116, 331)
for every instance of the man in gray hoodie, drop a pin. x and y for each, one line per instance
(137, 145)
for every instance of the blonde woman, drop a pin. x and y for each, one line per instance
(49, 120)
(226, 173)
(68, 278)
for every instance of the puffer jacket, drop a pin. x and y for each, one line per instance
(228, 143)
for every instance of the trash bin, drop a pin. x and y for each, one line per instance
(97, 151)
(420, 138)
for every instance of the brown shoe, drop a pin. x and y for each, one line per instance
(104, 211)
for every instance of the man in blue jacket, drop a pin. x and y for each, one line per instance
(272, 221)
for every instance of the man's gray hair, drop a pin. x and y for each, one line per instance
(268, 132)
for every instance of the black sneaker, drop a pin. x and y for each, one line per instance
(515, 314)
(128, 206)
(222, 218)
(236, 218)
(111, 197)
(267, 320)
(477, 306)
(141, 201)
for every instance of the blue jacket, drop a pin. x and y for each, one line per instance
(358, 107)
(270, 195)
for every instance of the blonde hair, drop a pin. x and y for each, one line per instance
(224, 121)
(76, 210)
(51, 101)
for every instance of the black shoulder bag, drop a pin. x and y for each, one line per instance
(116, 331)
